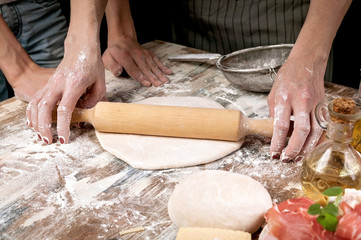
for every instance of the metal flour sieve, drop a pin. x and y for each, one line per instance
(252, 69)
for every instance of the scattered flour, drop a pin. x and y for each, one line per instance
(39, 216)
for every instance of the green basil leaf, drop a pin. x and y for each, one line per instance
(334, 191)
(314, 209)
(331, 209)
(328, 222)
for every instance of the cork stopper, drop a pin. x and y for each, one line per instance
(344, 105)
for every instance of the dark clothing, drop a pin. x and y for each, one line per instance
(40, 28)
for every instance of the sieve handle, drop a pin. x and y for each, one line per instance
(272, 74)
(210, 58)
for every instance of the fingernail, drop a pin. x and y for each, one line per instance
(117, 71)
(299, 158)
(146, 83)
(46, 140)
(39, 136)
(62, 139)
(275, 155)
(285, 158)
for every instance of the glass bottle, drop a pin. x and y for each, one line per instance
(333, 163)
(356, 136)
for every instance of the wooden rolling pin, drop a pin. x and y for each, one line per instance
(171, 121)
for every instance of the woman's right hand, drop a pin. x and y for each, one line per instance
(79, 81)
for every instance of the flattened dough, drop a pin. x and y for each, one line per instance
(219, 199)
(151, 152)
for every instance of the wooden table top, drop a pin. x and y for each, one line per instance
(80, 191)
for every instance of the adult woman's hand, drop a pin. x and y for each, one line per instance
(299, 86)
(78, 80)
(125, 53)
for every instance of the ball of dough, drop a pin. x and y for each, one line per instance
(219, 199)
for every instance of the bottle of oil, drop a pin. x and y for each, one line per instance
(333, 163)
(356, 136)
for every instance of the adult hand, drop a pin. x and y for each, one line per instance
(79, 75)
(298, 88)
(140, 63)
(299, 85)
(22, 73)
(30, 81)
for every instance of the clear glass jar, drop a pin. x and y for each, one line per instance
(333, 163)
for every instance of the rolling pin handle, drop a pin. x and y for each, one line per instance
(83, 115)
(79, 115)
(263, 127)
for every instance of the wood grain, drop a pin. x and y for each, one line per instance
(172, 121)
(79, 191)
